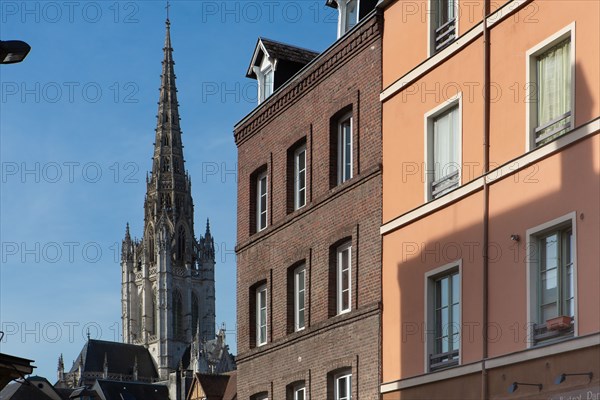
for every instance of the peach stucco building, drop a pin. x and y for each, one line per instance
(491, 199)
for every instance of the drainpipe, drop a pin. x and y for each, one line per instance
(486, 192)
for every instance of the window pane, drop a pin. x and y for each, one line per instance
(549, 311)
(455, 289)
(344, 279)
(262, 316)
(262, 202)
(447, 315)
(351, 14)
(269, 83)
(569, 307)
(446, 144)
(345, 151)
(554, 87)
(299, 298)
(300, 178)
(444, 292)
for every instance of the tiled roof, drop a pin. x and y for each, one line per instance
(288, 52)
(280, 51)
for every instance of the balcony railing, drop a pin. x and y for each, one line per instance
(445, 34)
(444, 185)
(552, 129)
(443, 360)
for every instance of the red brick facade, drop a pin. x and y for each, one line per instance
(345, 77)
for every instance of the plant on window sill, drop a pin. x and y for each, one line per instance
(561, 322)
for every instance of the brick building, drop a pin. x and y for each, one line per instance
(309, 213)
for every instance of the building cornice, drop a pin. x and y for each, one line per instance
(346, 48)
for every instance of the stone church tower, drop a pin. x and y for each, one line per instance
(168, 286)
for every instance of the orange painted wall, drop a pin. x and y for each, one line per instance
(404, 38)
(511, 39)
(557, 185)
(563, 183)
(545, 192)
(409, 253)
(404, 129)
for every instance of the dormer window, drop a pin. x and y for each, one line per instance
(267, 83)
(265, 75)
(350, 12)
(273, 63)
(348, 17)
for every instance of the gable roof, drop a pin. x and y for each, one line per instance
(114, 390)
(121, 358)
(31, 389)
(282, 51)
(213, 385)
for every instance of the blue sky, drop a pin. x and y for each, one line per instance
(77, 121)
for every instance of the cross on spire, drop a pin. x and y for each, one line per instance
(168, 7)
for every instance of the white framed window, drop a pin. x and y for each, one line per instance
(345, 162)
(299, 392)
(300, 298)
(443, 137)
(443, 24)
(261, 201)
(342, 389)
(300, 177)
(348, 15)
(443, 317)
(269, 79)
(551, 88)
(265, 75)
(344, 278)
(552, 266)
(261, 315)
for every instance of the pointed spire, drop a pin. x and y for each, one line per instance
(207, 235)
(168, 169)
(127, 234)
(61, 369)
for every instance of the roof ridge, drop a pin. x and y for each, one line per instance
(261, 38)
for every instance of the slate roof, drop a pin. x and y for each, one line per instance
(32, 389)
(64, 393)
(121, 358)
(281, 51)
(114, 390)
(19, 391)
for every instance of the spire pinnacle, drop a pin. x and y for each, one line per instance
(207, 227)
